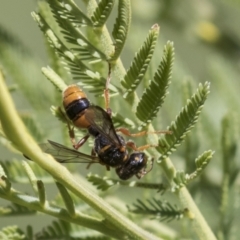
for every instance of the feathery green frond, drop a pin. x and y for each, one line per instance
(181, 179)
(72, 63)
(15, 210)
(70, 29)
(185, 120)
(59, 114)
(67, 9)
(12, 232)
(54, 78)
(121, 27)
(64, 230)
(192, 141)
(104, 183)
(102, 12)
(15, 172)
(68, 201)
(57, 44)
(41, 192)
(120, 121)
(2, 172)
(230, 172)
(95, 83)
(140, 62)
(155, 93)
(229, 142)
(5, 185)
(159, 209)
(201, 162)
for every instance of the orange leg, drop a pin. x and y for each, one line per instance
(81, 142)
(93, 154)
(139, 134)
(132, 145)
(72, 134)
(106, 91)
(70, 128)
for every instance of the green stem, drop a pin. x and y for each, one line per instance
(16, 132)
(198, 222)
(200, 225)
(80, 219)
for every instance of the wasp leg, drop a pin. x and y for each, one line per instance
(106, 92)
(93, 154)
(70, 128)
(81, 142)
(139, 134)
(132, 145)
(72, 133)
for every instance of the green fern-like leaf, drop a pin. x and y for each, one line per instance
(121, 27)
(104, 183)
(102, 12)
(68, 201)
(58, 113)
(15, 210)
(70, 11)
(120, 121)
(229, 144)
(12, 232)
(16, 173)
(64, 230)
(67, 20)
(154, 95)
(162, 210)
(54, 78)
(180, 179)
(185, 120)
(57, 44)
(101, 183)
(140, 62)
(201, 162)
(73, 64)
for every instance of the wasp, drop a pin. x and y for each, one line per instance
(110, 148)
(135, 164)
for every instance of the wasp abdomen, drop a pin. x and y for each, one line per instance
(75, 103)
(75, 109)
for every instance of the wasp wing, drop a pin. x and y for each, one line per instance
(102, 122)
(64, 154)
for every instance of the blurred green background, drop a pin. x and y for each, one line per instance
(206, 37)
